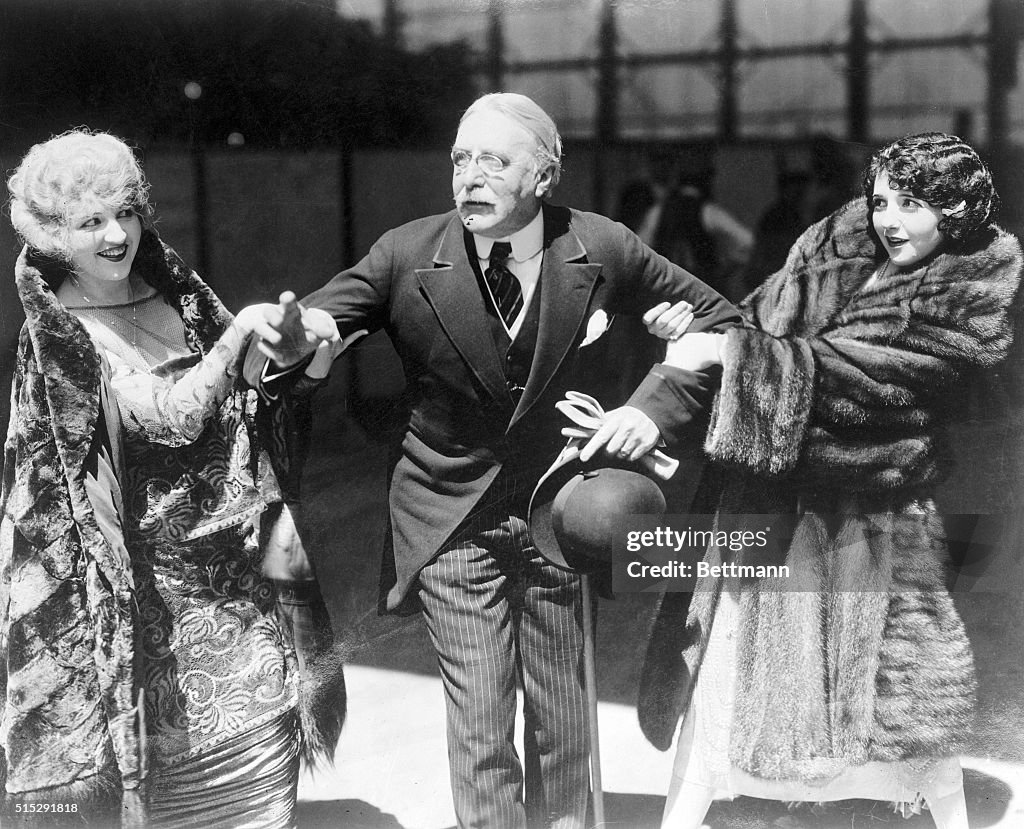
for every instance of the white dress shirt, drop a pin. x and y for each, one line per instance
(527, 254)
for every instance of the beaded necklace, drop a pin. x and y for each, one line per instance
(94, 306)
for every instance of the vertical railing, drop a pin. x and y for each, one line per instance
(1005, 25)
(606, 118)
(728, 124)
(858, 75)
(345, 214)
(193, 91)
(494, 60)
(393, 23)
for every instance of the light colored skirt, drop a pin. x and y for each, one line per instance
(248, 782)
(702, 755)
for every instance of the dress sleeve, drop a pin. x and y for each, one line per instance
(172, 404)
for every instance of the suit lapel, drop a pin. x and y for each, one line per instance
(567, 282)
(451, 288)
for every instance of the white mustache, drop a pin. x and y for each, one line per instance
(464, 199)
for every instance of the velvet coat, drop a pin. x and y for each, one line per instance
(829, 422)
(70, 670)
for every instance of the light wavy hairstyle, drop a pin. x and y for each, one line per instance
(528, 114)
(56, 176)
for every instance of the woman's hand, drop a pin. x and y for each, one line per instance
(252, 315)
(289, 331)
(695, 352)
(285, 336)
(669, 321)
(317, 325)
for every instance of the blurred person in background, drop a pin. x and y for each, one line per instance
(852, 677)
(145, 669)
(778, 228)
(675, 213)
(833, 179)
(497, 308)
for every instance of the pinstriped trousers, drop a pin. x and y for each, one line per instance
(494, 609)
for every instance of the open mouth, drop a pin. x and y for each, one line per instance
(114, 254)
(894, 242)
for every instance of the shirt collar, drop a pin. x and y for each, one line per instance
(526, 242)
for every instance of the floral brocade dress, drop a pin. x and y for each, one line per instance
(219, 673)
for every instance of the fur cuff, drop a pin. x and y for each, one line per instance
(322, 707)
(322, 698)
(762, 410)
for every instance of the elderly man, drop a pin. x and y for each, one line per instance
(496, 310)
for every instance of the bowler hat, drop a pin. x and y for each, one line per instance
(575, 510)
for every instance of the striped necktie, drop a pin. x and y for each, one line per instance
(504, 285)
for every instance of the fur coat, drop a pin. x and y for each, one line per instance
(70, 671)
(829, 423)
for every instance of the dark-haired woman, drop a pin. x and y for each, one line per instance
(852, 676)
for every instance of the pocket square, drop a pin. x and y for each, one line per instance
(598, 323)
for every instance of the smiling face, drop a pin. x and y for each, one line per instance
(497, 203)
(103, 241)
(907, 225)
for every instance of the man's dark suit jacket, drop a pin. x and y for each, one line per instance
(418, 284)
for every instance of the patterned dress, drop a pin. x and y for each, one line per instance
(219, 673)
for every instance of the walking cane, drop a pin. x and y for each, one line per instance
(588, 416)
(590, 687)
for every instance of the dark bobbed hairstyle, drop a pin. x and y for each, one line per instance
(944, 171)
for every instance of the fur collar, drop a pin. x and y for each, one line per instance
(822, 289)
(156, 263)
(66, 355)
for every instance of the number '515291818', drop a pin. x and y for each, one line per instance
(45, 807)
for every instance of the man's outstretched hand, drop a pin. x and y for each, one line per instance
(288, 333)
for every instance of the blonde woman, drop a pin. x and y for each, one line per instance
(142, 651)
